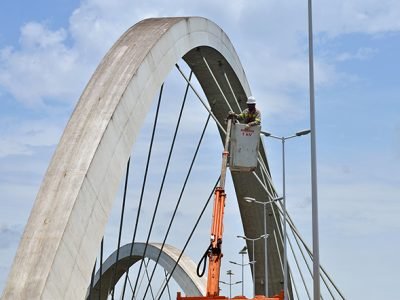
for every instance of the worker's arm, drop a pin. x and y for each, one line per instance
(233, 115)
(242, 115)
(257, 120)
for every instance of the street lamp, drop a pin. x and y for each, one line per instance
(314, 189)
(253, 262)
(252, 200)
(229, 273)
(283, 139)
(242, 252)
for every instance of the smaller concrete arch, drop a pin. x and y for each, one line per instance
(184, 274)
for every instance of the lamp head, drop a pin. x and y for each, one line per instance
(303, 132)
(249, 199)
(265, 133)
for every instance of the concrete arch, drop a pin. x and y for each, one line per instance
(184, 274)
(59, 245)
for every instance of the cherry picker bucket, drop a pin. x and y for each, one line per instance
(244, 148)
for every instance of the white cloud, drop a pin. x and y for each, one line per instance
(49, 67)
(35, 35)
(357, 16)
(42, 69)
(360, 54)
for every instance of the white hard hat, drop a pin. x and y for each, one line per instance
(251, 100)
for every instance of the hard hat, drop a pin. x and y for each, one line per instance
(251, 100)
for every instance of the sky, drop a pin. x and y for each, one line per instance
(49, 49)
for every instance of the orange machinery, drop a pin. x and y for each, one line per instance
(215, 249)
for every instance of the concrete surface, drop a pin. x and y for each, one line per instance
(184, 274)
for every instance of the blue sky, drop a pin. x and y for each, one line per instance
(49, 49)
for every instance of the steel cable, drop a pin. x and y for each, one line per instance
(165, 173)
(120, 226)
(190, 236)
(143, 188)
(181, 193)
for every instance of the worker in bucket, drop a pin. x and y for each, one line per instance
(250, 116)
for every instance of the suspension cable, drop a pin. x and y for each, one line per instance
(279, 253)
(297, 233)
(164, 176)
(190, 235)
(298, 267)
(161, 287)
(294, 284)
(307, 264)
(266, 172)
(144, 182)
(130, 284)
(148, 278)
(120, 227)
(216, 82)
(101, 265)
(260, 158)
(280, 234)
(141, 279)
(169, 292)
(218, 123)
(262, 185)
(92, 280)
(201, 100)
(166, 170)
(233, 93)
(181, 194)
(294, 230)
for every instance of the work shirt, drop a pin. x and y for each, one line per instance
(249, 118)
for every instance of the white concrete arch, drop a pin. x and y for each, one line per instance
(184, 274)
(59, 245)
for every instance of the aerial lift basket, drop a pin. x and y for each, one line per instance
(244, 148)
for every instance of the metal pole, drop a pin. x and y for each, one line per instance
(230, 285)
(314, 194)
(242, 274)
(225, 155)
(254, 272)
(265, 251)
(285, 266)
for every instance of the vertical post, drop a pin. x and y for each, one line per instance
(242, 274)
(254, 272)
(225, 154)
(285, 265)
(314, 194)
(265, 251)
(230, 285)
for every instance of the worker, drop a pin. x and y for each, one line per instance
(251, 116)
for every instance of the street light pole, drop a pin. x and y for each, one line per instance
(243, 252)
(314, 193)
(242, 265)
(252, 200)
(285, 265)
(253, 261)
(229, 273)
